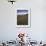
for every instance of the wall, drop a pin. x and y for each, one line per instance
(8, 28)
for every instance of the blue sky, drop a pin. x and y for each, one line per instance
(22, 12)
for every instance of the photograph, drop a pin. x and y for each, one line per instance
(23, 18)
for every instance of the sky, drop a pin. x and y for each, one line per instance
(22, 12)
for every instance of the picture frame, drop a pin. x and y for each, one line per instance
(23, 17)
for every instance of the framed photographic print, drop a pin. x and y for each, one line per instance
(23, 17)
